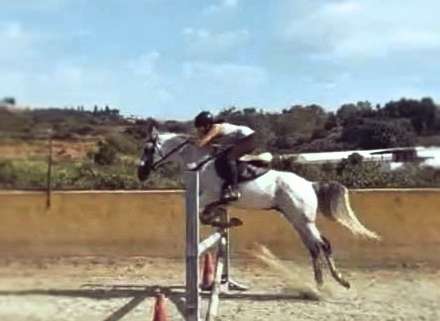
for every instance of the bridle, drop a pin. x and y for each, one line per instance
(163, 157)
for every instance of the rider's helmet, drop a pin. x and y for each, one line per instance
(204, 119)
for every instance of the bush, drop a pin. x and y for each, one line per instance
(106, 154)
(23, 174)
(8, 174)
(84, 130)
(124, 144)
(354, 173)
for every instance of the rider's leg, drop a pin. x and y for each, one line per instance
(231, 192)
(244, 146)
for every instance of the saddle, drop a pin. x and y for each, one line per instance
(249, 167)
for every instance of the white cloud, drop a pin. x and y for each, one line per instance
(31, 70)
(361, 29)
(230, 3)
(73, 84)
(17, 43)
(201, 82)
(146, 64)
(216, 85)
(67, 74)
(153, 82)
(416, 40)
(342, 8)
(28, 48)
(221, 6)
(40, 5)
(12, 31)
(205, 42)
(226, 76)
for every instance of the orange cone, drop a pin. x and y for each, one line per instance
(159, 308)
(208, 272)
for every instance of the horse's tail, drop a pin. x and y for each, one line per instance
(334, 203)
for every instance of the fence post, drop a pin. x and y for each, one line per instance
(192, 308)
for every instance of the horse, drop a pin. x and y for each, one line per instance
(296, 198)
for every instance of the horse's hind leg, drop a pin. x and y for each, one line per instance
(327, 249)
(300, 211)
(311, 238)
(317, 266)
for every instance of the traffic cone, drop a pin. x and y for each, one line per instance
(159, 308)
(208, 272)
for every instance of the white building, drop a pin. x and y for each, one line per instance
(394, 158)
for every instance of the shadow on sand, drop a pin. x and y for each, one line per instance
(139, 293)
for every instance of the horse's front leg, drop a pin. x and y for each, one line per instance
(213, 212)
(210, 213)
(207, 209)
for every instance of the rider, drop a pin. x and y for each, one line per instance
(242, 139)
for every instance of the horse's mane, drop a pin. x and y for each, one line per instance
(171, 135)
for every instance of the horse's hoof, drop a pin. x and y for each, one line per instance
(206, 220)
(234, 222)
(235, 286)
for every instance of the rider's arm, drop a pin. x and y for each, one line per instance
(213, 132)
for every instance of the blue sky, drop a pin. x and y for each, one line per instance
(172, 58)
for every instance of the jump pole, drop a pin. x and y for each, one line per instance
(195, 248)
(193, 298)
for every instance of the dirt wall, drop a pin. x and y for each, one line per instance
(152, 223)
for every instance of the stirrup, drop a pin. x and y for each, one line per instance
(230, 195)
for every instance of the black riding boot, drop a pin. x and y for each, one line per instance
(231, 193)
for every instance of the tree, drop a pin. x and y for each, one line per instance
(332, 121)
(9, 100)
(422, 114)
(351, 112)
(379, 134)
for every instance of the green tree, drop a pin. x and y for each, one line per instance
(379, 134)
(349, 113)
(9, 100)
(422, 114)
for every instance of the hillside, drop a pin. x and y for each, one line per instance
(100, 148)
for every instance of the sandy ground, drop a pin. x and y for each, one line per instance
(110, 289)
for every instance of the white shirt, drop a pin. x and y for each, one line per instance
(231, 132)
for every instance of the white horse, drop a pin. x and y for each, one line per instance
(296, 198)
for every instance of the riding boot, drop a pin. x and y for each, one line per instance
(231, 193)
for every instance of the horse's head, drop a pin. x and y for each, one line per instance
(148, 155)
(159, 149)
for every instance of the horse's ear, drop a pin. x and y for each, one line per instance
(154, 132)
(151, 131)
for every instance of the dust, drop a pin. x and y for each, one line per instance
(297, 280)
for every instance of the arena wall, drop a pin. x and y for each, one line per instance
(151, 223)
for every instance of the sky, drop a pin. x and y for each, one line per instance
(170, 59)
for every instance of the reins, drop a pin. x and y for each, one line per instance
(171, 152)
(214, 156)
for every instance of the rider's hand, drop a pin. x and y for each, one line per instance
(191, 166)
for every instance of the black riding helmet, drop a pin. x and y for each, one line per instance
(205, 118)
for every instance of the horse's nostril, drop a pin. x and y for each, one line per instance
(143, 172)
